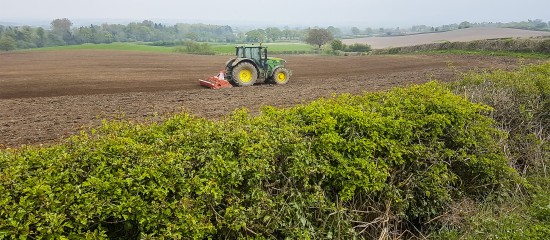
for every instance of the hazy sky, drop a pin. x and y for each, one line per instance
(360, 13)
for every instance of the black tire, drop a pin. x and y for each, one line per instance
(244, 74)
(280, 76)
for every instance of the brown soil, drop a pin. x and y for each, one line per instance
(46, 96)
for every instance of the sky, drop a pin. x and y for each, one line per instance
(360, 13)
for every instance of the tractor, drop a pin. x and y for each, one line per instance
(250, 65)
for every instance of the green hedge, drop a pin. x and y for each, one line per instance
(193, 47)
(380, 164)
(541, 46)
(521, 103)
(521, 109)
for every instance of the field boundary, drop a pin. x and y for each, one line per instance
(533, 46)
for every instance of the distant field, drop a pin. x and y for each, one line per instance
(273, 47)
(217, 48)
(462, 35)
(111, 46)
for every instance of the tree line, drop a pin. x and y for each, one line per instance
(62, 32)
(536, 25)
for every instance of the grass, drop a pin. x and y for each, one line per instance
(110, 46)
(519, 216)
(229, 49)
(218, 48)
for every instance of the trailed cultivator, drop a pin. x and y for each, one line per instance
(216, 82)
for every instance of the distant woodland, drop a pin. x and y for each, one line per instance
(63, 32)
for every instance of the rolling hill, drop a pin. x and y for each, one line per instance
(461, 35)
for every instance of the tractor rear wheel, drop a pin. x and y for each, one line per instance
(280, 76)
(244, 74)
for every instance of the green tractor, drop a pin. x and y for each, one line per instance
(250, 65)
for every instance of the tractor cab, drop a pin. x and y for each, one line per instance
(254, 53)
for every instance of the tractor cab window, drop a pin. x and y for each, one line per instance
(253, 53)
(240, 52)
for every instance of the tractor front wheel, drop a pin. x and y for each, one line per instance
(244, 74)
(280, 76)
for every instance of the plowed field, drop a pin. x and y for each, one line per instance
(45, 96)
(461, 35)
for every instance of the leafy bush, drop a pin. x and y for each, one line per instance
(521, 103)
(193, 47)
(337, 45)
(394, 50)
(380, 164)
(359, 47)
(544, 46)
(166, 43)
(7, 43)
(339, 48)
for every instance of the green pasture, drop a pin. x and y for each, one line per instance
(216, 47)
(110, 46)
(273, 47)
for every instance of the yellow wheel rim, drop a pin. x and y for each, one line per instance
(281, 77)
(245, 75)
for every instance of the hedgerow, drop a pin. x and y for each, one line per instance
(521, 103)
(375, 165)
(541, 46)
(521, 109)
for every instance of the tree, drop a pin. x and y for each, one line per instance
(355, 31)
(61, 25)
(287, 34)
(539, 24)
(464, 24)
(273, 33)
(62, 28)
(257, 35)
(41, 40)
(369, 31)
(54, 40)
(191, 36)
(148, 23)
(318, 37)
(335, 31)
(25, 37)
(337, 45)
(7, 43)
(23, 34)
